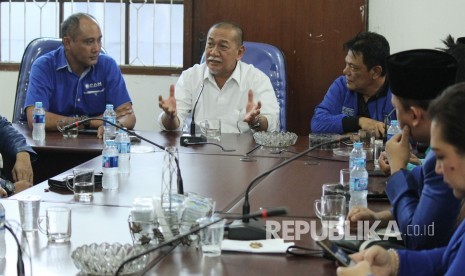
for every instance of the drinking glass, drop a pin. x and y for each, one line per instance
(379, 147)
(57, 224)
(70, 133)
(211, 129)
(81, 183)
(331, 209)
(211, 236)
(29, 206)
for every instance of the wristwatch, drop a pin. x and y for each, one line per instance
(8, 186)
(256, 124)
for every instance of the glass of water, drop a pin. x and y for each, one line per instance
(211, 236)
(82, 183)
(211, 129)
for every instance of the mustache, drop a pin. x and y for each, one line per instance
(214, 59)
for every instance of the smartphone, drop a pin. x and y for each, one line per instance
(134, 139)
(335, 252)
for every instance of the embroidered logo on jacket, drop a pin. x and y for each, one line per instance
(93, 85)
(94, 88)
(348, 111)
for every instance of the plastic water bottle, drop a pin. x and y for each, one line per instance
(109, 131)
(110, 166)
(393, 129)
(357, 152)
(358, 184)
(38, 124)
(2, 232)
(123, 143)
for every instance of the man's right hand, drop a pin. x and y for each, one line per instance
(368, 123)
(380, 261)
(168, 105)
(170, 119)
(398, 150)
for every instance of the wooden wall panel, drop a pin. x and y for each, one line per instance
(310, 33)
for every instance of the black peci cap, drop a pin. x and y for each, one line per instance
(420, 74)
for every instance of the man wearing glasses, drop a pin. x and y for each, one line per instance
(361, 98)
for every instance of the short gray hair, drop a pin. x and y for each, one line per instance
(239, 38)
(70, 26)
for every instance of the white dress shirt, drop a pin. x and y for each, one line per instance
(228, 103)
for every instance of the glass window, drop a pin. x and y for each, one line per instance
(154, 30)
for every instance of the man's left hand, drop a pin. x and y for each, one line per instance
(252, 109)
(124, 113)
(22, 169)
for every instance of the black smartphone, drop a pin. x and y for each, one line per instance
(134, 139)
(335, 252)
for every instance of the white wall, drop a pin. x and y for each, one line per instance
(144, 91)
(412, 24)
(8, 82)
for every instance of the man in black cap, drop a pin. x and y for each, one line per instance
(422, 204)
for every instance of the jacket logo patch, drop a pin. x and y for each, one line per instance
(348, 111)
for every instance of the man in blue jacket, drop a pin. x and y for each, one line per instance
(13, 147)
(361, 98)
(422, 204)
(76, 80)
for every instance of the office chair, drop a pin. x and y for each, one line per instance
(34, 50)
(270, 60)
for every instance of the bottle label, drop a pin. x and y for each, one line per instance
(109, 118)
(110, 161)
(352, 163)
(124, 147)
(38, 118)
(358, 184)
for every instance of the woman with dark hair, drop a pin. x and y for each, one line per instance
(457, 50)
(448, 142)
